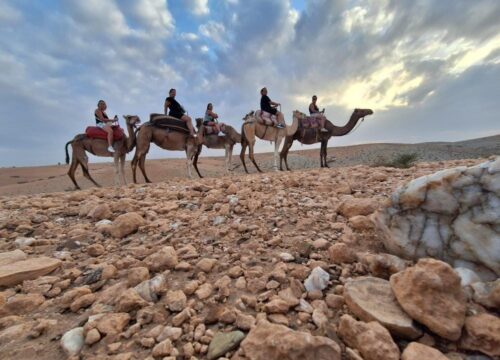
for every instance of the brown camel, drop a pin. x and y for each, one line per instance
(218, 142)
(252, 127)
(82, 143)
(313, 136)
(165, 138)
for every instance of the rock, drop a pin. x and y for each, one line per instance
(169, 332)
(82, 302)
(384, 265)
(268, 341)
(10, 257)
(92, 337)
(430, 292)
(165, 258)
(372, 340)
(96, 250)
(137, 275)
(320, 244)
(352, 206)
(126, 224)
(150, 290)
(276, 306)
(100, 212)
(371, 299)
(467, 276)
(176, 300)
(206, 264)
(16, 272)
(487, 294)
(130, 300)
(72, 341)
(286, 257)
(361, 222)
(417, 351)
(482, 333)
(317, 280)
(204, 291)
(334, 301)
(341, 253)
(451, 215)
(223, 342)
(21, 304)
(244, 322)
(163, 349)
(112, 323)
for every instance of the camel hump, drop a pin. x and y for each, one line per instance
(168, 122)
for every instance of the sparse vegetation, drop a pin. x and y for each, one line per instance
(400, 161)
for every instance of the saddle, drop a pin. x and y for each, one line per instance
(95, 132)
(309, 122)
(266, 118)
(163, 121)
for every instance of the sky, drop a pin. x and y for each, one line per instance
(430, 70)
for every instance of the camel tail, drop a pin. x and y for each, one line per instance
(66, 148)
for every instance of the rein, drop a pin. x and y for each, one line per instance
(357, 126)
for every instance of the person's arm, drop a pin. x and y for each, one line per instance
(101, 117)
(167, 105)
(312, 110)
(274, 103)
(212, 114)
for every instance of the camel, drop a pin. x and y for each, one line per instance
(218, 142)
(312, 136)
(253, 128)
(82, 143)
(166, 139)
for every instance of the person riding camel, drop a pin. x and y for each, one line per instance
(269, 106)
(320, 115)
(211, 120)
(176, 110)
(104, 122)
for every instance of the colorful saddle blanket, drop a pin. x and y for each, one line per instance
(95, 132)
(168, 122)
(310, 122)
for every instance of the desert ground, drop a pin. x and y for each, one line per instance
(34, 180)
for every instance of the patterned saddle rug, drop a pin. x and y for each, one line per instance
(309, 122)
(168, 122)
(95, 132)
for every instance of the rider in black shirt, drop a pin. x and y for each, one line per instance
(269, 106)
(176, 110)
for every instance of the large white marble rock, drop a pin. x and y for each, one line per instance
(452, 215)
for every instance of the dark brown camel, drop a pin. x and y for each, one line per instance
(99, 147)
(166, 139)
(218, 142)
(313, 136)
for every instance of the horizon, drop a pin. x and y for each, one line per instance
(429, 70)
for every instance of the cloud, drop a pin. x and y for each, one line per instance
(198, 7)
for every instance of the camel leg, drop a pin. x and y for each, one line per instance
(226, 158)
(142, 166)
(325, 153)
(250, 147)
(244, 145)
(284, 152)
(122, 169)
(72, 170)
(133, 165)
(116, 160)
(230, 150)
(277, 144)
(321, 152)
(195, 162)
(84, 164)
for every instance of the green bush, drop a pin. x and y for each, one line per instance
(400, 161)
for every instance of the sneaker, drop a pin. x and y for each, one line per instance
(110, 149)
(323, 130)
(221, 134)
(280, 126)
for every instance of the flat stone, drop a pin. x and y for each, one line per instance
(30, 269)
(417, 351)
(372, 299)
(223, 342)
(10, 257)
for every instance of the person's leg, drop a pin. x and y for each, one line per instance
(281, 119)
(189, 123)
(109, 131)
(322, 121)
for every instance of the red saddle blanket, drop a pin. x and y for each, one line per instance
(95, 132)
(309, 122)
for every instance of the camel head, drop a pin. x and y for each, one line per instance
(361, 113)
(133, 120)
(199, 122)
(299, 115)
(249, 115)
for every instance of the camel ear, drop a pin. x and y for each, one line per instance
(251, 113)
(125, 117)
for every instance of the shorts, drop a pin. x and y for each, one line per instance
(100, 125)
(273, 111)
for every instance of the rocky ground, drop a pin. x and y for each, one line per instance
(230, 266)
